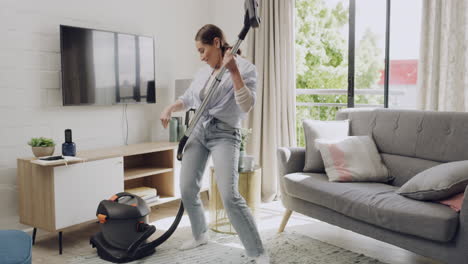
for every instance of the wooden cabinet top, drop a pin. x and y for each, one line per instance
(112, 152)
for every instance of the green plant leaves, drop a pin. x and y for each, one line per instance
(41, 142)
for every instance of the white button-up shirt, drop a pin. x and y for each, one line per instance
(222, 104)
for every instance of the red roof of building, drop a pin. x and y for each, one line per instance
(402, 72)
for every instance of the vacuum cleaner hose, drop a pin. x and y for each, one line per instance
(169, 232)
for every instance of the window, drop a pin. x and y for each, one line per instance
(369, 53)
(405, 31)
(350, 53)
(321, 60)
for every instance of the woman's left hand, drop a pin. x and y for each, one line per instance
(229, 61)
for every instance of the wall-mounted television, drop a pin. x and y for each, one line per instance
(105, 68)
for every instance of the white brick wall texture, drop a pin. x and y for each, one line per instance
(30, 85)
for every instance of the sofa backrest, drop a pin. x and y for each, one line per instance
(411, 141)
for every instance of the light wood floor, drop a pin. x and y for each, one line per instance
(76, 239)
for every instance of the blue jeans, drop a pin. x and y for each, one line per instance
(222, 141)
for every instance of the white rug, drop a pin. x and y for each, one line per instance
(288, 247)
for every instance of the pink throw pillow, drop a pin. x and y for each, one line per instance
(352, 159)
(455, 202)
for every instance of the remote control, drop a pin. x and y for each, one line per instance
(52, 158)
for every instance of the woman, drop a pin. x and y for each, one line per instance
(217, 133)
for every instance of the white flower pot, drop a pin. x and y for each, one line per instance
(43, 151)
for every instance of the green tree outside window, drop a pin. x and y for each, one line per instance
(322, 60)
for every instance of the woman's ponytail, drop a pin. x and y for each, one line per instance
(209, 32)
(226, 46)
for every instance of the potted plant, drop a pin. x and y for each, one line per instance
(245, 133)
(42, 146)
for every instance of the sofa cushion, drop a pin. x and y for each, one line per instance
(436, 183)
(315, 129)
(351, 159)
(402, 168)
(375, 203)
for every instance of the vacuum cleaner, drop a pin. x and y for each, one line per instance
(124, 217)
(124, 226)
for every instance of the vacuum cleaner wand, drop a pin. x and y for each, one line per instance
(251, 19)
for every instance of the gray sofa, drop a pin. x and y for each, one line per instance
(409, 142)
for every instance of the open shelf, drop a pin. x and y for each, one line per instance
(153, 169)
(138, 172)
(164, 199)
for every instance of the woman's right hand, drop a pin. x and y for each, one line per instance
(166, 116)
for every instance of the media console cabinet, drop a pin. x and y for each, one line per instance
(56, 195)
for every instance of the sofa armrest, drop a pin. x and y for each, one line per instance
(290, 160)
(464, 209)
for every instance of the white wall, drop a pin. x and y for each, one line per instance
(229, 16)
(30, 94)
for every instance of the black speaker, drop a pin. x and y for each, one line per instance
(68, 148)
(151, 92)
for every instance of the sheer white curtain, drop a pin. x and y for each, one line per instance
(271, 49)
(443, 64)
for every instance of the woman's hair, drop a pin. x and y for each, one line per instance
(208, 33)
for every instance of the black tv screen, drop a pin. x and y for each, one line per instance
(105, 68)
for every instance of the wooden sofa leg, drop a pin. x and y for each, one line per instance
(286, 216)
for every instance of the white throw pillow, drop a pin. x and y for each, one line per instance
(354, 158)
(316, 129)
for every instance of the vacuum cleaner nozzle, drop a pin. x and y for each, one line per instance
(251, 7)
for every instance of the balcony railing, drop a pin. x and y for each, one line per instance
(374, 91)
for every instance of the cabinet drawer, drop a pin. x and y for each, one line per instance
(79, 188)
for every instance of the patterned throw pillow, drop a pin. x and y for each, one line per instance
(354, 158)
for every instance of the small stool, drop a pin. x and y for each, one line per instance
(249, 188)
(15, 247)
